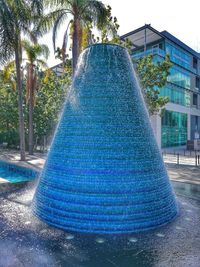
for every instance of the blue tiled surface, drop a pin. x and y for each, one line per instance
(14, 173)
(104, 172)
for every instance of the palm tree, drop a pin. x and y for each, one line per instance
(78, 14)
(34, 62)
(8, 75)
(15, 20)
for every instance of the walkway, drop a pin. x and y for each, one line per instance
(35, 162)
(179, 173)
(184, 173)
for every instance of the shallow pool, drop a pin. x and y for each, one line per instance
(26, 240)
(14, 174)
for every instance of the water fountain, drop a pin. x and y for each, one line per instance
(104, 172)
(104, 176)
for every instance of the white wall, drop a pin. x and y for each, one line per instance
(156, 125)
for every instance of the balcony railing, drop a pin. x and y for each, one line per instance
(159, 52)
(194, 70)
(154, 51)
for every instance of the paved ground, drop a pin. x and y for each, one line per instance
(25, 241)
(36, 162)
(181, 173)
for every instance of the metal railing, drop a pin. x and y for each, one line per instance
(185, 157)
(154, 51)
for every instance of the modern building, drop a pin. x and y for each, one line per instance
(181, 120)
(58, 69)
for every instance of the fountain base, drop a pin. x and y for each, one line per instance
(27, 241)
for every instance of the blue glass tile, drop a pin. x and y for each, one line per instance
(104, 172)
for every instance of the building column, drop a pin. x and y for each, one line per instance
(156, 125)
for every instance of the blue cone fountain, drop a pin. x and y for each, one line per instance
(104, 172)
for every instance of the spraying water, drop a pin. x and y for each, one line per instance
(104, 172)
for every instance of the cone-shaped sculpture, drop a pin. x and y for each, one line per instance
(104, 172)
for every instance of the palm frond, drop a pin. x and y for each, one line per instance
(58, 22)
(58, 3)
(42, 63)
(65, 37)
(8, 74)
(46, 22)
(37, 6)
(45, 52)
(33, 51)
(96, 11)
(6, 33)
(15, 16)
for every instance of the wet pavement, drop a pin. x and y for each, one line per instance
(25, 241)
(179, 173)
(35, 162)
(184, 174)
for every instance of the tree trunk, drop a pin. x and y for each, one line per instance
(31, 99)
(20, 103)
(75, 43)
(36, 143)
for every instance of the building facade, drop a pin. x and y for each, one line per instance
(181, 119)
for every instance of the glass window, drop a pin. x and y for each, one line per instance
(195, 99)
(178, 56)
(179, 77)
(174, 129)
(176, 95)
(194, 62)
(197, 83)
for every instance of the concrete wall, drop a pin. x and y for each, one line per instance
(156, 125)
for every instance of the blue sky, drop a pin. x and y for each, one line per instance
(180, 18)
